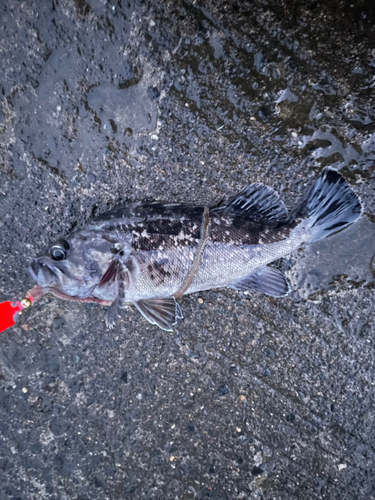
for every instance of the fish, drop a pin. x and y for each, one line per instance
(151, 254)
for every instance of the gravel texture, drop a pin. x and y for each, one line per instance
(105, 102)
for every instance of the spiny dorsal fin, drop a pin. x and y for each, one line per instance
(163, 312)
(268, 280)
(257, 203)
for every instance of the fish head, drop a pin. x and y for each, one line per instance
(72, 267)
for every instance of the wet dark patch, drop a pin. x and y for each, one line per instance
(224, 64)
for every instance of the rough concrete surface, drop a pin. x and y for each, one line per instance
(105, 102)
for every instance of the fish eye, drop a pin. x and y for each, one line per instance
(59, 250)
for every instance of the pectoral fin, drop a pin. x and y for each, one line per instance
(268, 280)
(163, 312)
(119, 271)
(112, 313)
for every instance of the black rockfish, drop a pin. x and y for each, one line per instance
(150, 254)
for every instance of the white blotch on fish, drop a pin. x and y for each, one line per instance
(149, 254)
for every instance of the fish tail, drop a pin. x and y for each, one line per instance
(328, 206)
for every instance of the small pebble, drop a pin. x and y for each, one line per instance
(238, 429)
(200, 300)
(154, 137)
(25, 327)
(24, 390)
(342, 466)
(171, 458)
(242, 397)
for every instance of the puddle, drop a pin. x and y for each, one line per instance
(121, 109)
(338, 263)
(333, 146)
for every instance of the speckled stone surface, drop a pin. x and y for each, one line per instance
(105, 102)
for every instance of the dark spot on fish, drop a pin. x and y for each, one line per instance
(238, 232)
(110, 239)
(164, 226)
(159, 269)
(144, 243)
(158, 272)
(130, 265)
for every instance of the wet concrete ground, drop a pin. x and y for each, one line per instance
(250, 397)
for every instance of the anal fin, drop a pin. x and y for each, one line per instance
(163, 312)
(268, 280)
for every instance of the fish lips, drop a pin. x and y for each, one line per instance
(44, 273)
(47, 276)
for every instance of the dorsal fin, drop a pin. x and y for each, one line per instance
(257, 203)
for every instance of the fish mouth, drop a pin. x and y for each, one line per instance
(48, 278)
(44, 273)
(34, 270)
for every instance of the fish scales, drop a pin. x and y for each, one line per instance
(223, 260)
(164, 246)
(149, 254)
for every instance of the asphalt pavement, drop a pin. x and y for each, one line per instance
(250, 397)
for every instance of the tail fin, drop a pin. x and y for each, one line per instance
(328, 206)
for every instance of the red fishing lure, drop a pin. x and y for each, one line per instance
(9, 310)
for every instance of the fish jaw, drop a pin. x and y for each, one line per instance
(50, 277)
(47, 283)
(63, 296)
(42, 274)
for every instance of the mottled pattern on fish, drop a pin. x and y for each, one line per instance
(148, 254)
(164, 244)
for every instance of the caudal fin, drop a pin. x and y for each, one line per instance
(328, 206)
